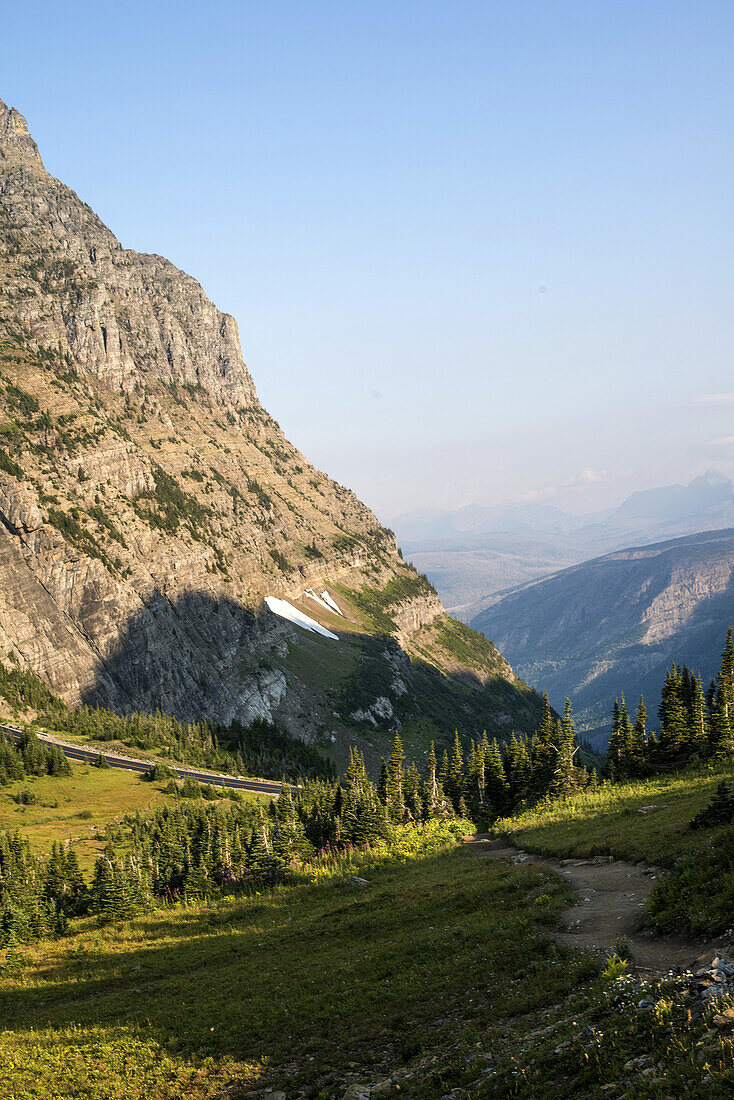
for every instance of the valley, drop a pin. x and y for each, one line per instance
(612, 625)
(278, 820)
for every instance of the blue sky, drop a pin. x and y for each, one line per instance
(476, 251)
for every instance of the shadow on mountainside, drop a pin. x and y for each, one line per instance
(201, 657)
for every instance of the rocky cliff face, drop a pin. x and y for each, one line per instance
(149, 504)
(612, 625)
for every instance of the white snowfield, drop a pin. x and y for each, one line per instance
(292, 614)
(325, 600)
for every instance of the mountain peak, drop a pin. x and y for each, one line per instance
(14, 135)
(711, 478)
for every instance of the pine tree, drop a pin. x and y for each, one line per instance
(412, 793)
(640, 740)
(496, 781)
(722, 718)
(544, 752)
(614, 762)
(518, 770)
(564, 771)
(394, 796)
(674, 728)
(699, 717)
(430, 786)
(454, 784)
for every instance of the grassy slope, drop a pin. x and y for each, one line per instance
(438, 976)
(307, 979)
(108, 794)
(608, 821)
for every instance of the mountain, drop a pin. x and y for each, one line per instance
(613, 624)
(161, 540)
(473, 555)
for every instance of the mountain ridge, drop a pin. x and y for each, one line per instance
(611, 625)
(149, 505)
(474, 555)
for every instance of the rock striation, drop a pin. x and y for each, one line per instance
(149, 504)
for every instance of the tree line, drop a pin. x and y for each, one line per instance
(261, 748)
(694, 723)
(30, 757)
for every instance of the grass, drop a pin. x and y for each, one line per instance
(292, 986)
(64, 803)
(615, 820)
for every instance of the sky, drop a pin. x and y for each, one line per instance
(477, 251)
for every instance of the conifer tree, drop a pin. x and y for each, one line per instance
(640, 728)
(412, 794)
(394, 796)
(699, 717)
(614, 762)
(454, 784)
(564, 771)
(430, 786)
(496, 781)
(544, 752)
(518, 770)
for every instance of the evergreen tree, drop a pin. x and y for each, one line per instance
(699, 717)
(564, 771)
(544, 752)
(722, 718)
(639, 751)
(614, 762)
(454, 784)
(496, 787)
(394, 796)
(430, 786)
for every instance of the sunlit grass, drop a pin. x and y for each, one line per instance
(641, 821)
(308, 976)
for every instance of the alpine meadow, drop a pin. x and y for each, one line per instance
(293, 805)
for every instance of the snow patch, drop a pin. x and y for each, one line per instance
(287, 611)
(331, 603)
(312, 596)
(325, 600)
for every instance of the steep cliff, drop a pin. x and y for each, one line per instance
(150, 505)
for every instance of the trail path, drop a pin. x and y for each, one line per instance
(610, 902)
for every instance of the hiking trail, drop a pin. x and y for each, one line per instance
(610, 902)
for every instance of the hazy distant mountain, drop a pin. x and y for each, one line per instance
(612, 625)
(474, 554)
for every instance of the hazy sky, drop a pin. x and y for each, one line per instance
(477, 251)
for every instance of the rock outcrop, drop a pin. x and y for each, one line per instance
(149, 504)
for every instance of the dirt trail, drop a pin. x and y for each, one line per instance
(610, 902)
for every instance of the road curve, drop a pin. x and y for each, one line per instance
(88, 756)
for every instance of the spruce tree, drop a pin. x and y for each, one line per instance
(564, 771)
(496, 782)
(640, 730)
(430, 786)
(699, 717)
(394, 796)
(544, 752)
(614, 762)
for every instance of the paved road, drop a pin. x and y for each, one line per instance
(88, 756)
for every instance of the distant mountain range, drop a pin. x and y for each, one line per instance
(613, 624)
(474, 554)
